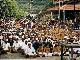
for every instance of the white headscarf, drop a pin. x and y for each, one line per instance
(29, 43)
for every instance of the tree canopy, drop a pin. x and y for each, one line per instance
(36, 5)
(10, 8)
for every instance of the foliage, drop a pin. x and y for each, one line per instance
(36, 5)
(10, 8)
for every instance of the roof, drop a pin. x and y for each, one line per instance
(65, 7)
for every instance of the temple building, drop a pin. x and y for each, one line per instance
(66, 9)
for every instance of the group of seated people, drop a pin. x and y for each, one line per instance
(13, 46)
(33, 47)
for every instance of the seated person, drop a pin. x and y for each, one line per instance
(6, 46)
(30, 51)
(22, 46)
(16, 46)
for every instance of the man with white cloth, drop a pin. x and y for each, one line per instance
(6, 46)
(30, 51)
(16, 45)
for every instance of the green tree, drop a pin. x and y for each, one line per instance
(10, 8)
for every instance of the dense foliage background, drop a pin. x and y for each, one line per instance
(10, 8)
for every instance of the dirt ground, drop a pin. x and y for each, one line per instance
(17, 56)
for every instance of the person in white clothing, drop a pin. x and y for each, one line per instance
(30, 51)
(16, 45)
(6, 46)
(22, 44)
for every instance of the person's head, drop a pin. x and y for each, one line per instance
(29, 45)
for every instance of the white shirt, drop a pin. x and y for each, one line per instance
(66, 37)
(30, 51)
(2, 42)
(22, 44)
(16, 45)
(25, 47)
(7, 46)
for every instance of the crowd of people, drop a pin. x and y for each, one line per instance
(35, 37)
